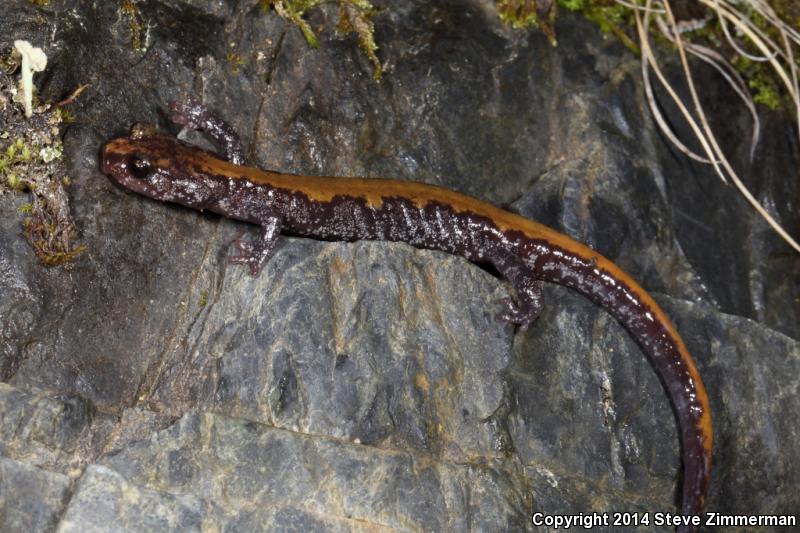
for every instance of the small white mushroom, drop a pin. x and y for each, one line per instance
(33, 60)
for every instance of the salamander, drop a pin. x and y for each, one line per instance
(522, 251)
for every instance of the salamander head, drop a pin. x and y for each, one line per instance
(156, 166)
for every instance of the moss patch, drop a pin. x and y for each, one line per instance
(32, 162)
(355, 17)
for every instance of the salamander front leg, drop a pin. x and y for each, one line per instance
(194, 115)
(256, 253)
(529, 302)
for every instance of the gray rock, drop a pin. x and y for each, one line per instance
(404, 354)
(31, 499)
(41, 429)
(105, 501)
(263, 475)
(367, 385)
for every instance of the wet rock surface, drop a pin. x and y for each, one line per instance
(367, 386)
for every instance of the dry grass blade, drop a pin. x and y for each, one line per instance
(766, 11)
(661, 11)
(711, 139)
(788, 35)
(736, 83)
(791, 86)
(648, 61)
(766, 46)
(739, 50)
(661, 121)
(730, 75)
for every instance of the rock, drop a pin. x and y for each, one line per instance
(268, 476)
(31, 499)
(41, 429)
(103, 497)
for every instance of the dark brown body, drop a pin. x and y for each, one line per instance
(426, 216)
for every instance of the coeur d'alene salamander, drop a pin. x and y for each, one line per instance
(522, 251)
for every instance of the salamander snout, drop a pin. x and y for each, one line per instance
(157, 167)
(127, 164)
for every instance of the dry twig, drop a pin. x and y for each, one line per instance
(780, 57)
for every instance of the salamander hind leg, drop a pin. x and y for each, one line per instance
(194, 115)
(256, 253)
(525, 309)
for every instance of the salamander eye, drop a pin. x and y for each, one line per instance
(139, 167)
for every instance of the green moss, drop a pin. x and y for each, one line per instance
(355, 16)
(65, 115)
(236, 62)
(609, 16)
(31, 159)
(12, 160)
(765, 86)
(518, 13)
(295, 11)
(765, 94)
(14, 183)
(574, 5)
(761, 80)
(526, 13)
(130, 12)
